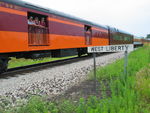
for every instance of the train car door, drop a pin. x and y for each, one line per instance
(88, 34)
(38, 29)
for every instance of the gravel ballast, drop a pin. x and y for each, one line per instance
(50, 81)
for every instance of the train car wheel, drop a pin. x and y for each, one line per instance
(79, 52)
(3, 65)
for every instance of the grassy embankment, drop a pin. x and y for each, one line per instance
(23, 62)
(129, 94)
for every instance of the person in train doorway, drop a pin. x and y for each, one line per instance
(30, 21)
(43, 30)
(37, 21)
(43, 24)
(88, 36)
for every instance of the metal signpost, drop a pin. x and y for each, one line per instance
(111, 48)
(125, 62)
(94, 60)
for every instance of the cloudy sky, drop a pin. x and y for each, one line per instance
(132, 16)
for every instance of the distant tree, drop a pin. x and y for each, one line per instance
(148, 36)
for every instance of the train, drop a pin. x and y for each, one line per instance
(62, 35)
(142, 40)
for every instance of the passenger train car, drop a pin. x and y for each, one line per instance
(63, 35)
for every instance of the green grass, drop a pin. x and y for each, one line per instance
(136, 60)
(143, 86)
(23, 62)
(129, 93)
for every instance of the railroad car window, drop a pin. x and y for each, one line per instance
(127, 38)
(37, 29)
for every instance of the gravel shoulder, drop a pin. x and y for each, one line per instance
(51, 81)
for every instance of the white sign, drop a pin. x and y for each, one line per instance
(111, 48)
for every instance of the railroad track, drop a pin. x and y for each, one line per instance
(40, 66)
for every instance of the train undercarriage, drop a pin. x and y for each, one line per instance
(4, 58)
(3, 64)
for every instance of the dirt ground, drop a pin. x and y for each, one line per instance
(85, 90)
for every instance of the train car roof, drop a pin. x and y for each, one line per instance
(51, 11)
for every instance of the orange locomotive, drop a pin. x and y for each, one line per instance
(29, 31)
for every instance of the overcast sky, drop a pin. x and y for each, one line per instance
(132, 16)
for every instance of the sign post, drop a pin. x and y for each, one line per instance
(94, 60)
(110, 48)
(125, 62)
